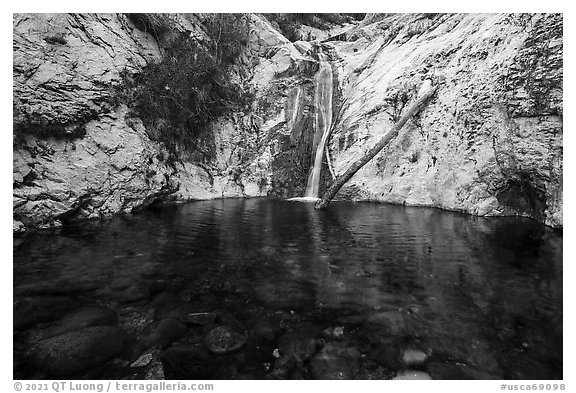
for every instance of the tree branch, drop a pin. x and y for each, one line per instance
(342, 179)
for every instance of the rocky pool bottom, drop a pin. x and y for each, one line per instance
(261, 288)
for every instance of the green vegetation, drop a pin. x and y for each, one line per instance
(398, 97)
(289, 24)
(191, 86)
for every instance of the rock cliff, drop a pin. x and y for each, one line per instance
(490, 142)
(79, 153)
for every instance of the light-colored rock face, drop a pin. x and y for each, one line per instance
(65, 67)
(98, 159)
(65, 64)
(113, 168)
(489, 143)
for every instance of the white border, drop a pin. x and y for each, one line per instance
(299, 6)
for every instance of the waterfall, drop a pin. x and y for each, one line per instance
(296, 105)
(322, 122)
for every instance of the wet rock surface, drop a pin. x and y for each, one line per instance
(411, 357)
(82, 318)
(163, 333)
(223, 339)
(74, 352)
(30, 310)
(200, 318)
(335, 360)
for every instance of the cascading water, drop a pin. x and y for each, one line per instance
(322, 121)
(296, 104)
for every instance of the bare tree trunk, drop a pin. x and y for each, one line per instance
(342, 179)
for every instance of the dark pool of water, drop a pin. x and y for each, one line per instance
(356, 291)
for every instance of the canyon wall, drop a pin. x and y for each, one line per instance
(79, 153)
(489, 143)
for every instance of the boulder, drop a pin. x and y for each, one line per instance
(336, 360)
(163, 333)
(412, 357)
(80, 319)
(31, 310)
(76, 351)
(200, 318)
(223, 339)
(18, 227)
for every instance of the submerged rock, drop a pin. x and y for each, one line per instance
(391, 323)
(283, 365)
(189, 361)
(334, 333)
(266, 328)
(411, 357)
(188, 353)
(200, 318)
(451, 371)
(132, 294)
(223, 339)
(225, 317)
(155, 371)
(77, 351)
(142, 361)
(163, 333)
(31, 310)
(79, 319)
(386, 355)
(57, 287)
(302, 343)
(412, 375)
(149, 365)
(378, 373)
(336, 360)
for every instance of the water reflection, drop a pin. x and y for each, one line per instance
(479, 297)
